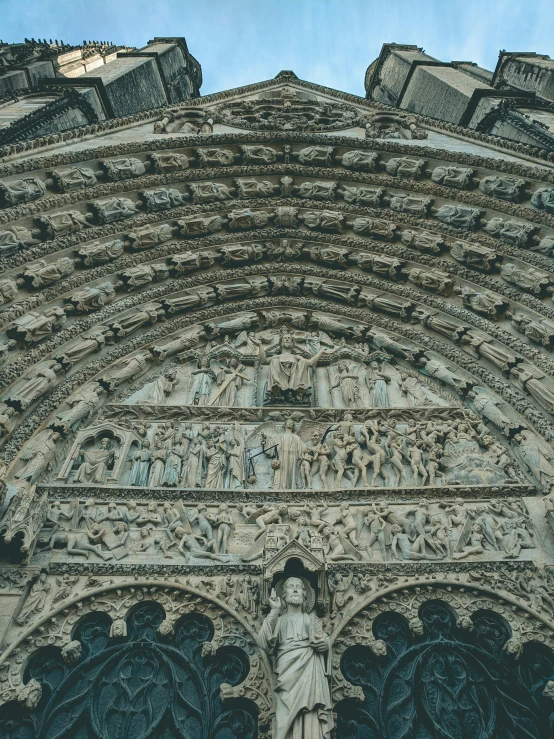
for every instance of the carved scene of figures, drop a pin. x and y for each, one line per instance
(298, 366)
(376, 449)
(380, 532)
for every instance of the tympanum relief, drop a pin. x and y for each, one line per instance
(369, 448)
(447, 529)
(333, 436)
(288, 366)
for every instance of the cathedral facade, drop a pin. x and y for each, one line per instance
(276, 399)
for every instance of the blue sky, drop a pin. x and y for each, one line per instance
(330, 42)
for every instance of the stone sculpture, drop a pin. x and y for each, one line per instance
(299, 645)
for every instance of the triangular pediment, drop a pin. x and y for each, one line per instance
(310, 561)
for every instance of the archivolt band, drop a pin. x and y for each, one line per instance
(276, 423)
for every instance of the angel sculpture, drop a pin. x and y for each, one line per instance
(347, 381)
(290, 449)
(338, 585)
(230, 380)
(247, 341)
(201, 383)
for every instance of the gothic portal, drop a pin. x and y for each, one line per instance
(277, 400)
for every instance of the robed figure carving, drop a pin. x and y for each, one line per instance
(301, 656)
(288, 377)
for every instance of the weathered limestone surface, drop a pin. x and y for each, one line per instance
(276, 406)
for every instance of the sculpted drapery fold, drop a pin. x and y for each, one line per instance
(276, 422)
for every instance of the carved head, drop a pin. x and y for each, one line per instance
(416, 626)
(118, 629)
(379, 648)
(72, 651)
(514, 646)
(166, 628)
(293, 591)
(289, 424)
(30, 695)
(287, 341)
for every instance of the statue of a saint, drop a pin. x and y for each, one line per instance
(299, 646)
(201, 383)
(96, 462)
(290, 448)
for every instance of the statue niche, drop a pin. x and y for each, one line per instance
(97, 456)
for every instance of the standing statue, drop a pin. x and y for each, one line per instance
(39, 454)
(82, 404)
(298, 644)
(229, 380)
(290, 449)
(201, 383)
(34, 383)
(377, 385)
(348, 384)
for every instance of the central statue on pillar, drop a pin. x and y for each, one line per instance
(300, 649)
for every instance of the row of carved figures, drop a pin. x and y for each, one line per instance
(87, 299)
(502, 186)
(117, 208)
(285, 456)
(381, 532)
